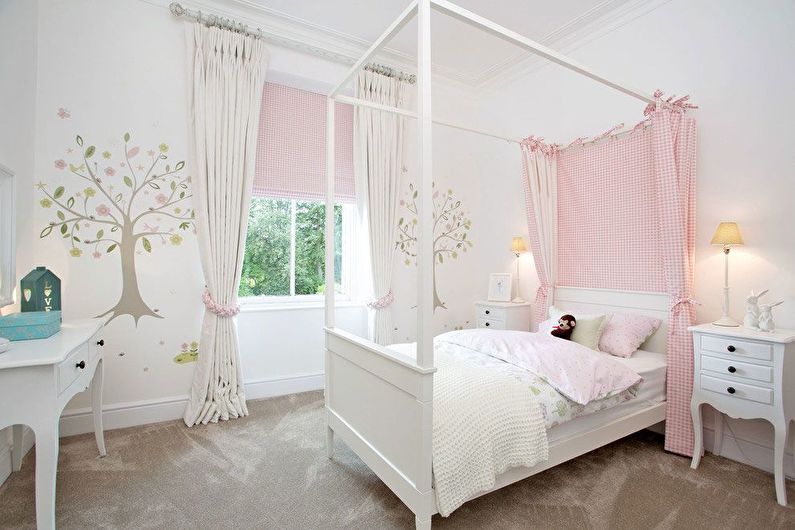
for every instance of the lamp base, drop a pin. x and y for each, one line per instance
(518, 300)
(727, 322)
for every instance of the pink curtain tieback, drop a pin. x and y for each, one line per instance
(383, 302)
(543, 290)
(221, 310)
(684, 300)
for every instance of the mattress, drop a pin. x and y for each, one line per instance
(557, 408)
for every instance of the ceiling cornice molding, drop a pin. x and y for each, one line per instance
(619, 14)
(282, 29)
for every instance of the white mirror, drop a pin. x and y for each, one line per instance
(7, 233)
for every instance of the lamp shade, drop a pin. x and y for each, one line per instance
(517, 245)
(727, 234)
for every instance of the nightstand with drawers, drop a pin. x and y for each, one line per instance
(503, 315)
(744, 374)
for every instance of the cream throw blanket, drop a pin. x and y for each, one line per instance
(484, 423)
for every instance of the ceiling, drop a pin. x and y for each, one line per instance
(343, 29)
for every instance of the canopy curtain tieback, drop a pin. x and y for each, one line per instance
(680, 302)
(221, 310)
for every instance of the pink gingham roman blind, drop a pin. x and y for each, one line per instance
(291, 148)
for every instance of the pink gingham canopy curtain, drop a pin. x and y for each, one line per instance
(674, 159)
(228, 73)
(540, 178)
(291, 148)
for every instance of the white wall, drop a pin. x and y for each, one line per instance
(18, 29)
(733, 58)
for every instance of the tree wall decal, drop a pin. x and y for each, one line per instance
(117, 208)
(450, 227)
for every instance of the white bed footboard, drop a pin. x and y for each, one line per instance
(380, 403)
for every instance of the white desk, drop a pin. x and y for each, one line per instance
(37, 380)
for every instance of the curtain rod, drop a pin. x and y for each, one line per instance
(178, 10)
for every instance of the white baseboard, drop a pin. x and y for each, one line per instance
(130, 414)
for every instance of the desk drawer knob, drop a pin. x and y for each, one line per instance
(101, 342)
(731, 390)
(732, 369)
(488, 312)
(731, 348)
(487, 324)
(81, 365)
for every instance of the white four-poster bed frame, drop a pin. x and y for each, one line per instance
(379, 402)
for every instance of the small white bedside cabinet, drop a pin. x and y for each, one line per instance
(745, 374)
(37, 380)
(503, 315)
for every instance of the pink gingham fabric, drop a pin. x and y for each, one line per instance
(674, 159)
(291, 148)
(608, 235)
(626, 220)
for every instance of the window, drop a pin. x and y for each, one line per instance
(285, 248)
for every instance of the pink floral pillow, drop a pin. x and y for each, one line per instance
(625, 332)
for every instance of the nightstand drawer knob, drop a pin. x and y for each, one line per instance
(488, 312)
(731, 390)
(101, 342)
(487, 324)
(731, 369)
(731, 348)
(81, 365)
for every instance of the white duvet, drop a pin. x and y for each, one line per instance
(486, 420)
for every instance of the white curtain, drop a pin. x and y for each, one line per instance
(540, 175)
(228, 78)
(378, 166)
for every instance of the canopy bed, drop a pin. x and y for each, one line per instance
(381, 401)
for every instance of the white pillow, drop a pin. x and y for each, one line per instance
(589, 328)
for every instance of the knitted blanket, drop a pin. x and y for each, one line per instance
(484, 423)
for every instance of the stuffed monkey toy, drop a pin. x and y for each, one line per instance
(565, 327)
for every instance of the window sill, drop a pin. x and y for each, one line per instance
(259, 307)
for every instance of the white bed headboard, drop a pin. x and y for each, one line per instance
(612, 301)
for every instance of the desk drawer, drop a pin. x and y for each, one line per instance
(491, 324)
(69, 370)
(735, 348)
(733, 369)
(490, 313)
(96, 343)
(740, 390)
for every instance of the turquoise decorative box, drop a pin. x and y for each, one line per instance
(30, 325)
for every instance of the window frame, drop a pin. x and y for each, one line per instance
(311, 300)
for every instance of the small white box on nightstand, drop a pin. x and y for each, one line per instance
(502, 315)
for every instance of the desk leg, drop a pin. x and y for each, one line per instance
(780, 427)
(698, 433)
(46, 467)
(16, 451)
(96, 406)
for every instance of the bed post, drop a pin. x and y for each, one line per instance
(329, 298)
(425, 250)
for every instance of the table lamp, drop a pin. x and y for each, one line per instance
(726, 235)
(518, 247)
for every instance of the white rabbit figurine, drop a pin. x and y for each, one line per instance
(766, 317)
(751, 320)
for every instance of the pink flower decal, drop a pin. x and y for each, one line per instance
(63, 113)
(60, 164)
(161, 198)
(109, 171)
(103, 210)
(96, 254)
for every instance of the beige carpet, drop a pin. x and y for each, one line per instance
(269, 470)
